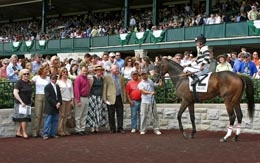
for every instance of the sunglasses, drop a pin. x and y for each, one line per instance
(26, 74)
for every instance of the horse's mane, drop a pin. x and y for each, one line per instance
(174, 63)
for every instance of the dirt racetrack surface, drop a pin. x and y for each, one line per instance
(170, 147)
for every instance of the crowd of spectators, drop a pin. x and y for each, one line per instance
(111, 23)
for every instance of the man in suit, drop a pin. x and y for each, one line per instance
(114, 95)
(52, 106)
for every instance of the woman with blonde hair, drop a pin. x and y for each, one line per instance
(66, 89)
(40, 81)
(23, 94)
(55, 65)
(3, 73)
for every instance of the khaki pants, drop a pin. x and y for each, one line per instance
(148, 111)
(38, 116)
(81, 114)
(64, 113)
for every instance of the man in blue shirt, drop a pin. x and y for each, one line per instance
(12, 70)
(119, 61)
(248, 67)
(36, 64)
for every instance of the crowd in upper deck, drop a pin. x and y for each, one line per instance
(111, 23)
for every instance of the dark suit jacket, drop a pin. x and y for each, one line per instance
(50, 99)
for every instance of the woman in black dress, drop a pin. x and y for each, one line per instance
(22, 103)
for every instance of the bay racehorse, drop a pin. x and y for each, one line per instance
(228, 85)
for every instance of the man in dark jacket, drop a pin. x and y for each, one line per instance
(52, 106)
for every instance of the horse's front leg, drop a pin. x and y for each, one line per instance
(182, 109)
(192, 118)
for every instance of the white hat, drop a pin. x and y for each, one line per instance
(112, 54)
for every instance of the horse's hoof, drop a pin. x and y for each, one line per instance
(191, 136)
(185, 136)
(222, 140)
(235, 139)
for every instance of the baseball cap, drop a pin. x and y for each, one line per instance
(112, 54)
(134, 72)
(246, 54)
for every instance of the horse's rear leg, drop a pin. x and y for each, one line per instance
(182, 109)
(239, 119)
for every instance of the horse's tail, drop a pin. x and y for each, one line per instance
(249, 90)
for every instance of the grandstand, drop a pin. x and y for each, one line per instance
(13, 12)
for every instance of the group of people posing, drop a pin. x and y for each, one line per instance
(95, 90)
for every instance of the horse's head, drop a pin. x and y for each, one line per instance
(160, 70)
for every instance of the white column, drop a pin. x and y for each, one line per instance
(140, 53)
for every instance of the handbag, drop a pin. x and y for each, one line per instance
(71, 120)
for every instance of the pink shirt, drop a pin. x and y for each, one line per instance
(3, 72)
(81, 87)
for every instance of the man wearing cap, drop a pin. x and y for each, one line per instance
(108, 60)
(133, 95)
(248, 67)
(200, 65)
(148, 104)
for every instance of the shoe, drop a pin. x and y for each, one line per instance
(35, 136)
(112, 131)
(54, 136)
(62, 134)
(25, 136)
(195, 80)
(18, 136)
(133, 131)
(157, 132)
(80, 133)
(94, 132)
(121, 131)
(84, 132)
(67, 133)
(142, 133)
(45, 137)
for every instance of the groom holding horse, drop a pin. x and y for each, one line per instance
(200, 66)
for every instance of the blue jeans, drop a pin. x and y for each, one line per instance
(50, 124)
(135, 115)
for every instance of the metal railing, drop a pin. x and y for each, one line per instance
(182, 37)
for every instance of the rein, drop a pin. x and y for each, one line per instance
(175, 76)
